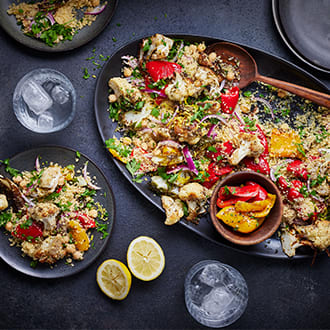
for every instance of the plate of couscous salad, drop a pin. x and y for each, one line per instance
(55, 25)
(56, 211)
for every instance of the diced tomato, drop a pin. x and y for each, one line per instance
(296, 184)
(297, 168)
(261, 167)
(229, 100)
(27, 232)
(246, 191)
(262, 193)
(283, 184)
(294, 194)
(162, 69)
(85, 220)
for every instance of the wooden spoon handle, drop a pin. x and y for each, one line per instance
(310, 94)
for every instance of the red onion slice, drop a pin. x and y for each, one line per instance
(239, 118)
(160, 93)
(89, 184)
(37, 164)
(51, 18)
(169, 143)
(178, 168)
(189, 160)
(267, 104)
(96, 11)
(220, 118)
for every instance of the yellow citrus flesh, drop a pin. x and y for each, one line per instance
(145, 258)
(114, 279)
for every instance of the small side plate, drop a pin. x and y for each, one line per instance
(63, 156)
(88, 33)
(304, 27)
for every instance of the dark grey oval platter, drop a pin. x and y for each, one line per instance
(304, 26)
(63, 156)
(267, 64)
(86, 34)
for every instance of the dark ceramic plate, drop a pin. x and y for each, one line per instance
(267, 64)
(9, 24)
(304, 26)
(63, 156)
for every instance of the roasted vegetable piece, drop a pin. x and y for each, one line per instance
(247, 191)
(285, 144)
(229, 100)
(239, 221)
(28, 231)
(79, 236)
(85, 220)
(261, 167)
(270, 203)
(262, 194)
(162, 69)
(297, 168)
(232, 201)
(244, 207)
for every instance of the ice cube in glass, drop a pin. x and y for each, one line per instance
(35, 97)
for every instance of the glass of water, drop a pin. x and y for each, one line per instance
(216, 294)
(44, 101)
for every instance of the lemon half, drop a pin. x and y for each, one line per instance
(145, 258)
(114, 279)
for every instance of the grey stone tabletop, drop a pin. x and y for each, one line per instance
(282, 293)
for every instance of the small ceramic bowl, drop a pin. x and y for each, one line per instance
(270, 224)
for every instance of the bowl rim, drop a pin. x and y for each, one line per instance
(256, 236)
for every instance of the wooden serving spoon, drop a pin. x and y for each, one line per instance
(249, 73)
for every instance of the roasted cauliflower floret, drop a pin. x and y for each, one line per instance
(50, 177)
(290, 242)
(178, 89)
(195, 195)
(3, 202)
(318, 233)
(207, 81)
(50, 250)
(173, 209)
(45, 213)
(122, 88)
(159, 46)
(248, 146)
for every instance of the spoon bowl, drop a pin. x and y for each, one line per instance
(249, 72)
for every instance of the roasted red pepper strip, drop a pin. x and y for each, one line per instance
(246, 191)
(233, 200)
(27, 232)
(262, 194)
(261, 167)
(263, 140)
(162, 69)
(296, 168)
(296, 184)
(85, 220)
(228, 148)
(215, 173)
(229, 100)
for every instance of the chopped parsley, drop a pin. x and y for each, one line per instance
(4, 218)
(12, 171)
(102, 228)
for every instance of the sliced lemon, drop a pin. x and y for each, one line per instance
(145, 258)
(114, 279)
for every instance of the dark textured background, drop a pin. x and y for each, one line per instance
(283, 293)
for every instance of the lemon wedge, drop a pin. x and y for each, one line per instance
(114, 279)
(145, 258)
